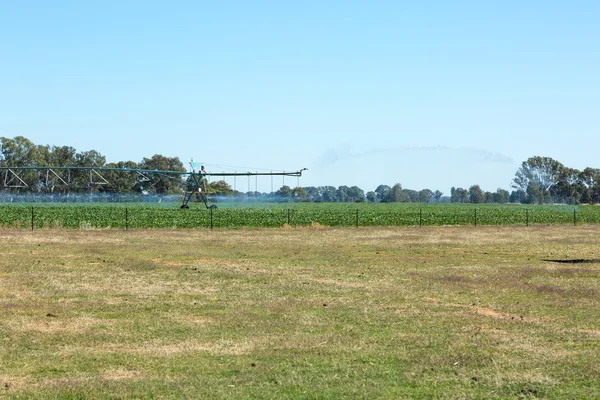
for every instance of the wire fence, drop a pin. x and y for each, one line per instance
(90, 217)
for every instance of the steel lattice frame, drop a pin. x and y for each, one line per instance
(50, 177)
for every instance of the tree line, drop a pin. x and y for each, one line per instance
(22, 152)
(539, 180)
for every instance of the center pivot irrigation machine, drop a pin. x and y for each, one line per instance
(196, 182)
(47, 178)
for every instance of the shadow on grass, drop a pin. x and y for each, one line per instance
(576, 261)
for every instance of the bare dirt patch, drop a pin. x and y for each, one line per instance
(484, 311)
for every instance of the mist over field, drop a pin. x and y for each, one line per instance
(414, 167)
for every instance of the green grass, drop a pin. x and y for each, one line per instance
(435, 312)
(275, 215)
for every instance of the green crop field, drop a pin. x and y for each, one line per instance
(301, 313)
(272, 215)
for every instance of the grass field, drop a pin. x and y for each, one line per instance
(315, 313)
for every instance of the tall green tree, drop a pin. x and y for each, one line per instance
(476, 195)
(57, 180)
(409, 195)
(342, 194)
(328, 194)
(569, 189)
(462, 195)
(534, 194)
(396, 195)
(221, 188)
(425, 195)
(312, 193)
(538, 175)
(120, 181)
(488, 197)
(590, 180)
(22, 152)
(381, 192)
(356, 194)
(371, 197)
(88, 180)
(18, 152)
(90, 158)
(284, 193)
(453, 195)
(298, 194)
(62, 156)
(501, 196)
(163, 183)
(517, 196)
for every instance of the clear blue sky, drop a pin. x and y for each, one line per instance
(424, 93)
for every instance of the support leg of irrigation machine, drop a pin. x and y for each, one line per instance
(194, 188)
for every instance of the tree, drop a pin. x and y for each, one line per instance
(534, 195)
(476, 195)
(410, 195)
(220, 188)
(590, 179)
(462, 195)
(501, 196)
(537, 176)
(371, 197)
(284, 193)
(381, 192)
(356, 194)
(18, 152)
(453, 195)
(85, 179)
(437, 195)
(312, 193)
(425, 195)
(488, 197)
(163, 184)
(298, 194)
(517, 196)
(395, 195)
(63, 156)
(21, 152)
(120, 181)
(342, 194)
(569, 188)
(90, 158)
(328, 194)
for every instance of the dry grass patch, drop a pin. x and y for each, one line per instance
(120, 374)
(54, 324)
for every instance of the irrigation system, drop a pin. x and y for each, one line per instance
(50, 177)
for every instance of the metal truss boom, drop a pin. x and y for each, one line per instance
(154, 171)
(65, 176)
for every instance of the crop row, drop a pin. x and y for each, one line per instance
(22, 217)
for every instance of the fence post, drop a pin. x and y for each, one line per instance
(32, 218)
(357, 217)
(574, 217)
(475, 217)
(288, 216)
(126, 219)
(420, 217)
(527, 217)
(211, 218)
